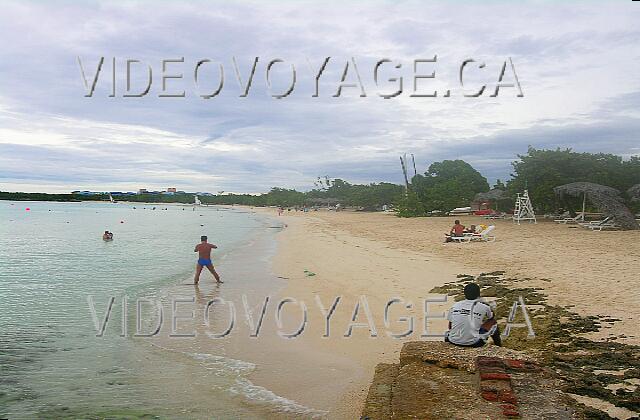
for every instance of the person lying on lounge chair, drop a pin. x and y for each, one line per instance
(471, 321)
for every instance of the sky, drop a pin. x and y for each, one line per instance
(577, 65)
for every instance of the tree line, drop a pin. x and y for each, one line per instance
(454, 183)
(443, 186)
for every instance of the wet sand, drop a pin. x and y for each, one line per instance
(333, 373)
(381, 256)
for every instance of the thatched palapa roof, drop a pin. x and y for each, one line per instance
(634, 192)
(606, 199)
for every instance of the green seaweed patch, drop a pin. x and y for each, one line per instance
(590, 413)
(105, 414)
(559, 340)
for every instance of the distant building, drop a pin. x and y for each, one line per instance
(171, 190)
(142, 191)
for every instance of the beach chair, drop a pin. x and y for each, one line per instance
(569, 220)
(600, 228)
(609, 225)
(485, 235)
(594, 223)
(461, 239)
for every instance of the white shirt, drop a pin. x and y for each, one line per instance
(465, 325)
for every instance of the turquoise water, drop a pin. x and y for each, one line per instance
(52, 258)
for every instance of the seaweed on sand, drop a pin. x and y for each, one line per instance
(586, 366)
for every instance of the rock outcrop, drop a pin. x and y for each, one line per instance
(436, 380)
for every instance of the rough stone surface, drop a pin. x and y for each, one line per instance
(447, 355)
(440, 381)
(426, 391)
(379, 396)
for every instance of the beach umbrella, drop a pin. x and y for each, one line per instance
(634, 192)
(606, 199)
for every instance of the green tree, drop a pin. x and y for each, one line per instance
(540, 171)
(448, 184)
(409, 205)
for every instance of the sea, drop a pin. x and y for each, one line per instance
(79, 317)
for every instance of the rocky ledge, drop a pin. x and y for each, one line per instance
(436, 380)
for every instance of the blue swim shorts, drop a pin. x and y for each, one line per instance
(204, 261)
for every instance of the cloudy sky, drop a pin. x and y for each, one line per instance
(577, 63)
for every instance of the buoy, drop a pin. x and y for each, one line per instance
(28, 209)
(121, 221)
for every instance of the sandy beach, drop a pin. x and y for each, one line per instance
(381, 256)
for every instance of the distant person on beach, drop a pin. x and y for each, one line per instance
(107, 236)
(471, 321)
(204, 259)
(456, 230)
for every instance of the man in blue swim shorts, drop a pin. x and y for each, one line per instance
(204, 259)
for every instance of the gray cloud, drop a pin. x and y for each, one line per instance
(580, 91)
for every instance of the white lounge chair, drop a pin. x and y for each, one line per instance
(604, 226)
(483, 236)
(591, 224)
(569, 220)
(464, 238)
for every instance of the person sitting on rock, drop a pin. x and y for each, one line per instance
(471, 321)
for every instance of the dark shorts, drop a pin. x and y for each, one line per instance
(204, 261)
(479, 343)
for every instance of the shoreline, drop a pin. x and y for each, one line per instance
(341, 250)
(333, 374)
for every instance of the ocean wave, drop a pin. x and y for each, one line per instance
(261, 396)
(224, 363)
(254, 394)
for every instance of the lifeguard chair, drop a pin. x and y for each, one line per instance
(524, 209)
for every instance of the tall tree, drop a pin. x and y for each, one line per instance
(540, 171)
(448, 184)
